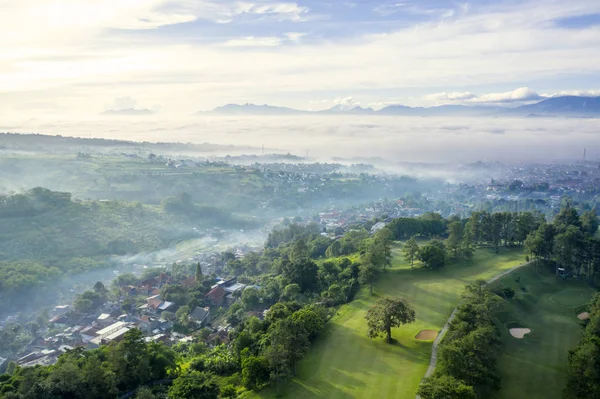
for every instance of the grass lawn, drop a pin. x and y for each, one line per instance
(344, 363)
(535, 366)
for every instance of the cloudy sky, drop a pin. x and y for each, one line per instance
(181, 56)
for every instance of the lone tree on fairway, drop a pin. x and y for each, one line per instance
(388, 313)
(411, 249)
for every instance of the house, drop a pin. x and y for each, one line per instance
(377, 226)
(200, 316)
(104, 320)
(165, 305)
(235, 288)
(216, 296)
(189, 282)
(89, 333)
(148, 324)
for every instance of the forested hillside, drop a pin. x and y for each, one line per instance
(46, 234)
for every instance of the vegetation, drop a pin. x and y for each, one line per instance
(468, 354)
(584, 361)
(388, 313)
(536, 366)
(331, 370)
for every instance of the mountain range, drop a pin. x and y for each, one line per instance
(573, 106)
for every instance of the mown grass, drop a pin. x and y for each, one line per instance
(344, 363)
(535, 366)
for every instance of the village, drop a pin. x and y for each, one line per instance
(160, 320)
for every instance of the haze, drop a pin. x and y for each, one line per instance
(406, 139)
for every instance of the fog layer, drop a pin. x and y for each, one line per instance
(414, 139)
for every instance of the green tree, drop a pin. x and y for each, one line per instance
(194, 385)
(183, 314)
(250, 298)
(255, 372)
(466, 245)
(454, 237)
(293, 337)
(278, 355)
(411, 250)
(198, 274)
(144, 393)
(445, 387)
(589, 223)
(302, 271)
(387, 313)
(334, 250)
(432, 255)
(367, 274)
(310, 320)
(383, 246)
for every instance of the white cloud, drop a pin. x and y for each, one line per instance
(291, 11)
(77, 62)
(388, 9)
(295, 36)
(252, 41)
(521, 94)
(451, 96)
(581, 93)
(124, 103)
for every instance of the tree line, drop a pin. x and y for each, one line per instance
(570, 242)
(466, 366)
(583, 378)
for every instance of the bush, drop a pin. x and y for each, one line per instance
(506, 292)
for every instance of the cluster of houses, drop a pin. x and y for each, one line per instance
(109, 324)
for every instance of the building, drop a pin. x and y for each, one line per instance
(216, 296)
(200, 316)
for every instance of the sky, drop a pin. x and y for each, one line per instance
(177, 57)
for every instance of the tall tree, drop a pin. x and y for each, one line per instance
(367, 274)
(589, 223)
(454, 237)
(199, 276)
(383, 246)
(411, 249)
(466, 245)
(387, 313)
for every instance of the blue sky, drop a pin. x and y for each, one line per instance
(181, 56)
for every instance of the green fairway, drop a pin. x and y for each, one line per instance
(344, 363)
(535, 366)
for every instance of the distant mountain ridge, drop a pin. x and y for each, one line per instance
(557, 106)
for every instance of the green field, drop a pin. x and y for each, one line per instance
(345, 364)
(535, 366)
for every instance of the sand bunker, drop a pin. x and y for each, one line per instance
(583, 316)
(519, 332)
(426, 335)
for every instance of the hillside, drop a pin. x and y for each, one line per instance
(45, 235)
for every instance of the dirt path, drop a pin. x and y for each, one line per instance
(434, 348)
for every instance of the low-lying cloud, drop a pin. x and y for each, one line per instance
(396, 139)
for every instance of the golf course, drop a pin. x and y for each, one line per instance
(344, 363)
(536, 365)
